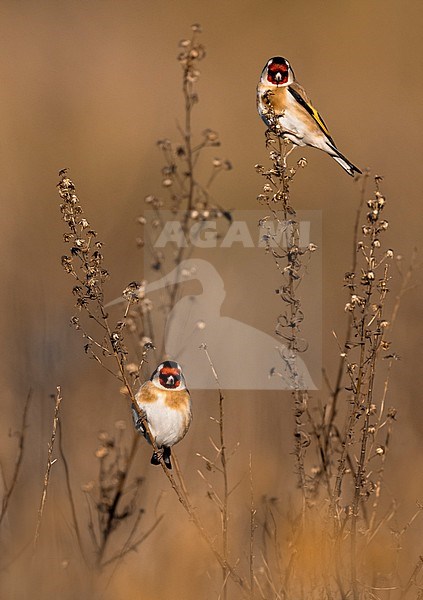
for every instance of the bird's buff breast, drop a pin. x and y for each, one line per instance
(276, 97)
(168, 413)
(281, 102)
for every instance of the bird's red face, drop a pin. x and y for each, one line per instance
(170, 377)
(278, 71)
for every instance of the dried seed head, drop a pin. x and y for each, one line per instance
(102, 452)
(164, 144)
(192, 76)
(211, 136)
(392, 413)
(134, 292)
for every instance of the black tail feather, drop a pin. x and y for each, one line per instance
(166, 457)
(344, 162)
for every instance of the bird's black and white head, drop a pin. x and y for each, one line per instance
(277, 72)
(168, 376)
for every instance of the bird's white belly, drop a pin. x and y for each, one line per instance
(293, 128)
(167, 425)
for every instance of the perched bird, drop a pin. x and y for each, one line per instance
(166, 404)
(279, 93)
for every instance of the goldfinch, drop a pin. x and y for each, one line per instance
(279, 93)
(166, 404)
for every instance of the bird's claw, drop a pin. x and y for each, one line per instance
(157, 456)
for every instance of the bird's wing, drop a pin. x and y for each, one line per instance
(137, 421)
(300, 95)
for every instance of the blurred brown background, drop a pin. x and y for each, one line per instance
(92, 86)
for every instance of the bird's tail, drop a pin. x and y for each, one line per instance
(345, 163)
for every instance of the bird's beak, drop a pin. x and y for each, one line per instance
(278, 77)
(170, 380)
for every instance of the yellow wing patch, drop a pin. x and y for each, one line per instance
(311, 111)
(319, 120)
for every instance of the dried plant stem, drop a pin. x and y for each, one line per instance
(112, 511)
(224, 564)
(405, 287)
(331, 413)
(413, 577)
(223, 462)
(132, 546)
(70, 493)
(189, 100)
(187, 87)
(225, 490)
(253, 512)
(49, 465)
(18, 462)
(292, 236)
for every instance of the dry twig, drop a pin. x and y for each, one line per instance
(49, 465)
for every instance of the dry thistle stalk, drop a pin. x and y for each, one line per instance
(290, 260)
(85, 264)
(186, 198)
(351, 459)
(368, 291)
(50, 463)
